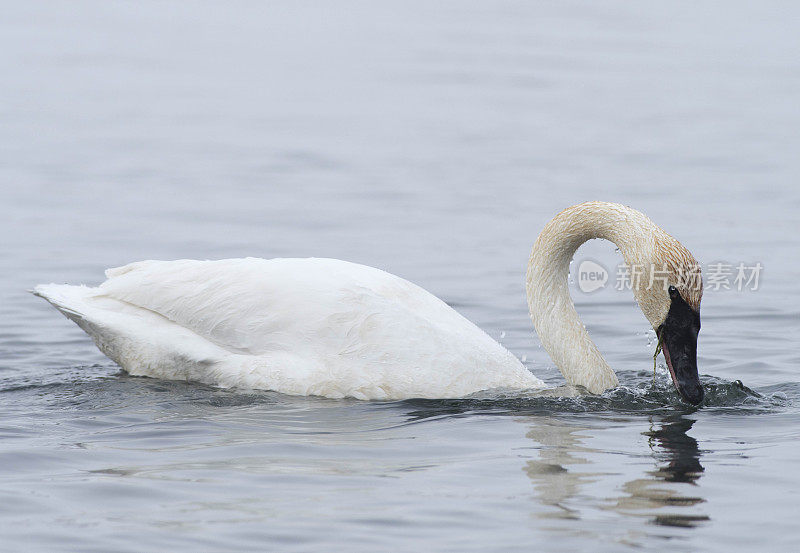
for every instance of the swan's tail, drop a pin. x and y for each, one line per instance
(140, 341)
(69, 300)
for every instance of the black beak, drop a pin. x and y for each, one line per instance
(678, 337)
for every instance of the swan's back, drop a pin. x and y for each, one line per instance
(300, 326)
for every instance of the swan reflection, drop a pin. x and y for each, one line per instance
(564, 469)
(679, 462)
(552, 476)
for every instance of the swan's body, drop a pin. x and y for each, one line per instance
(337, 329)
(299, 326)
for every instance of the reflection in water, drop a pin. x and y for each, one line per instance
(682, 453)
(656, 496)
(682, 456)
(554, 482)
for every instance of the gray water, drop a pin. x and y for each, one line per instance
(432, 140)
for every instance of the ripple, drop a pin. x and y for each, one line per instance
(637, 393)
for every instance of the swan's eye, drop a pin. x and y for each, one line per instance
(673, 292)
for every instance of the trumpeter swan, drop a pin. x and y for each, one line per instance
(338, 329)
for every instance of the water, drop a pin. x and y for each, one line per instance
(432, 140)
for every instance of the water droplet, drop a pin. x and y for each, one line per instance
(502, 334)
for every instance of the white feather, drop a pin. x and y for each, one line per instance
(298, 326)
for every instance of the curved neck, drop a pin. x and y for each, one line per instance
(560, 329)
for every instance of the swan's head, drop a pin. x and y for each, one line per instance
(669, 293)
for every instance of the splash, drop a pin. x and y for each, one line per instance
(637, 393)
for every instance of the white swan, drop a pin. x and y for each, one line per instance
(337, 329)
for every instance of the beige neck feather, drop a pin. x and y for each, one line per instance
(552, 311)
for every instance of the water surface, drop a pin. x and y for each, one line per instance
(432, 140)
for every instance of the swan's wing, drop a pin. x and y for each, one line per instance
(256, 306)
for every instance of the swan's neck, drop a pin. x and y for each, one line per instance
(552, 311)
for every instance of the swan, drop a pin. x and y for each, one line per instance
(337, 329)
